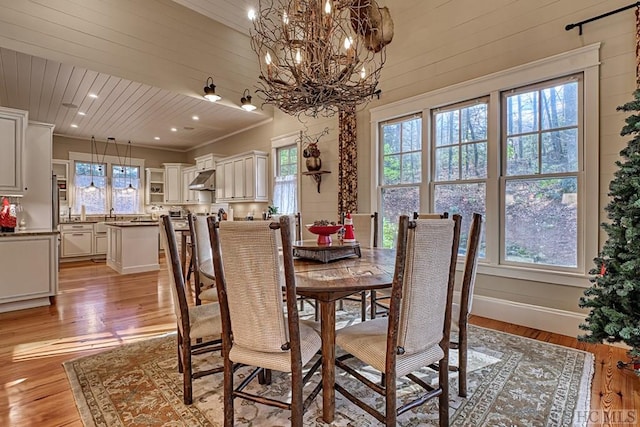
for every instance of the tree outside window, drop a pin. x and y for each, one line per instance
(401, 147)
(541, 147)
(460, 163)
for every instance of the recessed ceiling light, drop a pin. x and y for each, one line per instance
(251, 14)
(157, 138)
(174, 130)
(195, 118)
(93, 95)
(73, 125)
(82, 113)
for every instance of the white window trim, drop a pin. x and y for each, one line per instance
(583, 60)
(283, 141)
(111, 160)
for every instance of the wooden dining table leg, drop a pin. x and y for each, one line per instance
(328, 333)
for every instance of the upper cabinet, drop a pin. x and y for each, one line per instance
(243, 178)
(173, 182)
(206, 162)
(13, 130)
(154, 186)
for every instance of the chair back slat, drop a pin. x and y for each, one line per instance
(471, 264)
(425, 287)
(294, 221)
(176, 278)
(253, 280)
(202, 238)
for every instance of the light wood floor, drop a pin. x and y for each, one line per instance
(97, 309)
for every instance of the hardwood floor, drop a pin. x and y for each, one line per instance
(97, 309)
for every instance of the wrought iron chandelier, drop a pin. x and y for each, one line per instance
(317, 56)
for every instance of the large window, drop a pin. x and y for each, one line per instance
(540, 152)
(520, 147)
(460, 134)
(401, 172)
(285, 188)
(125, 189)
(115, 186)
(90, 188)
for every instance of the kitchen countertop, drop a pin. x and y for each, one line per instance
(29, 232)
(79, 222)
(132, 224)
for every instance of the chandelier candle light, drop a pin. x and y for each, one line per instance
(317, 56)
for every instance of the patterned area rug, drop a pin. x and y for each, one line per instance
(513, 381)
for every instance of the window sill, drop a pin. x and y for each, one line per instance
(535, 275)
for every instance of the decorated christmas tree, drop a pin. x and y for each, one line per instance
(614, 297)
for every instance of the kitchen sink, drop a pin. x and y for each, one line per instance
(144, 220)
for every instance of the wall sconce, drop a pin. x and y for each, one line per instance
(210, 91)
(245, 101)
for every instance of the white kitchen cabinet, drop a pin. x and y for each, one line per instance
(244, 178)
(188, 174)
(101, 244)
(13, 130)
(77, 240)
(154, 186)
(36, 202)
(206, 162)
(29, 265)
(173, 182)
(132, 248)
(220, 193)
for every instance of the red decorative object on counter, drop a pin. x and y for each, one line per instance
(8, 219)
(324, 232)
(349, 235)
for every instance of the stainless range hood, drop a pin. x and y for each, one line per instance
(205, 181)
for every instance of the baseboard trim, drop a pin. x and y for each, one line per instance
(533, 316)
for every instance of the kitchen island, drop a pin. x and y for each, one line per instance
(132, 247)
(29, 266)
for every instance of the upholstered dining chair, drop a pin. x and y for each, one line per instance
(200, 254)
(415, 334)
(462, 307)
(257, 332)
(379, 299)
(365, 226)
(194, 323)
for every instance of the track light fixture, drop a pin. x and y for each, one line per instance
(210, 91)
(245, 101)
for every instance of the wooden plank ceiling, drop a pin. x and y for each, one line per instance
(156, 98)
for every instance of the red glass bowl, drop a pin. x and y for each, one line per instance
(324, 232)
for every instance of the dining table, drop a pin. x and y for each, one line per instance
(327, 283)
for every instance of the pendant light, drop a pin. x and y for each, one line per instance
(245, 101)
(210, 91)
(92, 187)
(130, 188)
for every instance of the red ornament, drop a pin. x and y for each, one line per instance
(603, 270)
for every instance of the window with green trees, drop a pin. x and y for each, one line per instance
(401, 145)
